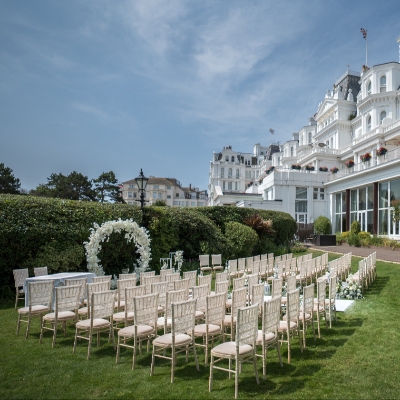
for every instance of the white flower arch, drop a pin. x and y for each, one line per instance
(101, 233)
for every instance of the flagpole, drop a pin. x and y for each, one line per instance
(366, 50)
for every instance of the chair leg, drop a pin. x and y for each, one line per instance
(255, 366)
(16, 299)
(152, 362)
(75, 340)
(278, 348)
(195, 354)
(90, 343)
(237, 367)
(211, 374)
(134, 353)
(18, 323)
(118, 350)
(173, 364)
(27, 328)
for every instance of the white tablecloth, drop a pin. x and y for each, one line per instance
(59, 280)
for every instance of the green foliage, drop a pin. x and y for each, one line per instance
(322, 225)
(159, 203)
(8, 182)
(364, 235)
(298, 247)
(106, 186)
(242, 239)
(354, 240)
(355, 227)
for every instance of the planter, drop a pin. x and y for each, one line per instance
(326, 240)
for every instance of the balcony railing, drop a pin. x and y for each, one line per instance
(317, 150)
(362, 166)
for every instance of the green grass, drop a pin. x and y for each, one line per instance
(357, 358)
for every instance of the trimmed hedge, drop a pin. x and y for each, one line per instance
(38, 231)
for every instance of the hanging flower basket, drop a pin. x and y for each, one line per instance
(250, 184)
(269, 170)
(365, 157)
(381, 151)
(310, 168)
(350, 164)
(296, 166)
(323, 169)
(334, 170)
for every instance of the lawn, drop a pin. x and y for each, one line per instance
(357, 358)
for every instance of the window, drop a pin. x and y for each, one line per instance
(315, 196)
(223, 185)
(130, 202)
(168, 196)
(301, 205)
(192, 204)
(383, 84)
(226, 158)
(368, 123)
(369, 86)
(134, 194)
(131, 186)
(292, 151)
(160, 195)
(200, 204)
(229, 185)
(222, 172)
(176, 203)
(169, 187)
(321, 193)
(236, 186)
(230, 173)
(154, 195)
(382, 116)
(130, 195)
(309, 137)
(233, 159)
(331, 142)
(155, 187)
(237, 173)
(177, 195)
(279, 161)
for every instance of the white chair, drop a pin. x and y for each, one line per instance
(171, 297)
(121, 286)
(145, 327)
(205, 280)
(92, 288)
(239, 299)
(122, 277)
(40, 300)
(242, 349)
(330, 302)
(66, 309)
(180, 284)
(183, 322)
(19, 279)
(216, 261)
(78, 281)
(204, 260)
(101, 320)
(307, 311)
(200, 293)
(101, 279)
(161, 289)
(126, 317)
(40, 271)
(319, 304)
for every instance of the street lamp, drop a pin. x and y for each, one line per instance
(141, 181)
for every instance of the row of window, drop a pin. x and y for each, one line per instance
(382, 116)
(382, 85)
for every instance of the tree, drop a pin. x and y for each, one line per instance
(8, 182)
(75, 186)
(106, 185)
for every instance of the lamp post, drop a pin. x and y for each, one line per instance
(141, 181)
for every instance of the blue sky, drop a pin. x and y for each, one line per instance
(99, 85)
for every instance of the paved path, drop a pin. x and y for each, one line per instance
(382, 253)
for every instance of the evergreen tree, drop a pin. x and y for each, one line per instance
(8, 182)
(106, 186)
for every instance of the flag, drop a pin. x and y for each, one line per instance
(364, 33)
(271, 130)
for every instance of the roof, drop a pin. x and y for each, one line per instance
(156, 181)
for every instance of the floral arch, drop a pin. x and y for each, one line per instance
(99, 234)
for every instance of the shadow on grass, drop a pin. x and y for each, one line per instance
(377, 286)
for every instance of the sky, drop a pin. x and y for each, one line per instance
(99, 85)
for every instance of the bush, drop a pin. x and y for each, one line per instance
(241, 238)
(298, 247)
(322, 225)
(364, 235)
(354, 240)
(355, 227)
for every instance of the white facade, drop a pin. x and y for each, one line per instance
(359, 116)
(169, 190)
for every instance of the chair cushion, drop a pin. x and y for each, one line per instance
(97, 323)
(269, 337)
(161, 320)
(229, 349)
(219, 267)
(199, 314)
(35, 310)
(121, 304)
(142, 330)
(206, 268)
(61, 316)
(283, 326)
(228, 303)
(317, 308)
(200, 330)
(228, 320)
(83, 310)
(120, 316)
(166, 340)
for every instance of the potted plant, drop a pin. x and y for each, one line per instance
(250, 184)
(323, 169)
(334, 170)
(350, 164)
(296, 166)
(381, 151)
(365, 157)
(310, 168)
(269, 170)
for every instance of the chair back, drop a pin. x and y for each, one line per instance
(130, 293)
(161, 289)
(172, 297)
(249, 263)
(95, 288)
(239, 299)
(79, 281)
(102, 304)
(122, 285)
(19, 276)
(127, 276)
(222, 287)
(145, 309)
(257, 295)
(308, 299)
(271, 315)
(67, 298)
(321, 292)
(215, 308)
(204, 260)
(241, 265)
(264, 257)
(170, 279)
(222, 276)
(102, 279)
(205, 280)
(182, 284)
(276, 287)
(332, 287)
(251, 281)
(165, 272)
(216, 260)
(239, 283)
(183, 318)
(40, 271)
(290, 283)
(192, 276)
(147, 273)
(246, 326)
(41, 293)
(256, 267)
(147, 280)
(200, 293)
(233, 266)
(293, 306)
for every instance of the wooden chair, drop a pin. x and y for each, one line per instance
(216, 262)
(319, 303)
(165, 272)
(307, 311)
(147, 273)
(19, 280)
(330, 302)
(121, 286)
(204, 260)
(239, 299)
(205, 280)
(127, 316)
(182, 284)
(93, 288)
(161, 289)
(78, 281)
(171, 297)
(200, 293)
(127, 276)
(240, 350)
(192, 276)
(101, 320)
(170, 278)
(148, 280)
(181, 338)
(40, 271)
(102, 279)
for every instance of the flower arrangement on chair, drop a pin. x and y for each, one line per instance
(296, 166)
(334, 170)
(323, 169)
(381, 151)
(310, 168)
(365, 157)
(349, 164)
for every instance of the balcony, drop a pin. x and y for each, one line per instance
(317, 151)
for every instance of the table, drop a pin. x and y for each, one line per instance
(59, 280)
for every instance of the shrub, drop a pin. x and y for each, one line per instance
(322, 225)
(297, 247)
(241, 238)
(364, 235)
(339, 238)
(354, 240)
(345, 235)
(355, 227)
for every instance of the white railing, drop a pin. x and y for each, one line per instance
(318, 150)
(368, 135)
(390, 127)
(362, 166)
